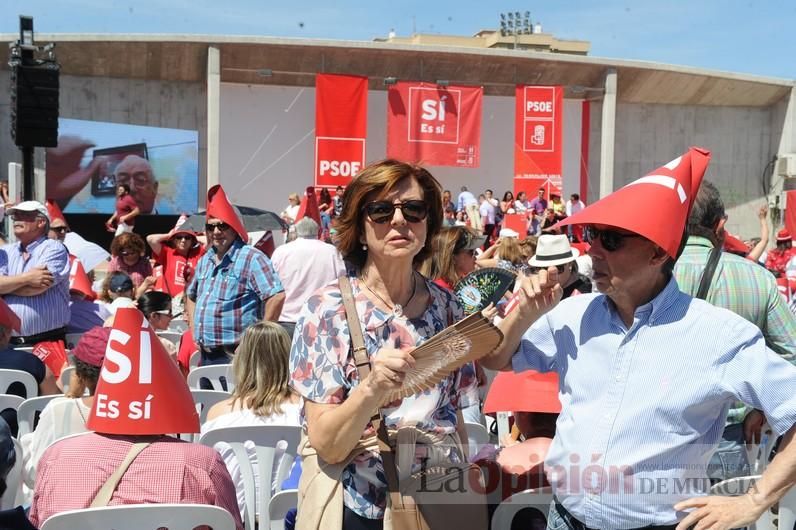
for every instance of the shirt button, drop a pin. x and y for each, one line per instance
(619, 377)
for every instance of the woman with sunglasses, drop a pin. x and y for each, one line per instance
(156, 307)
(392, 212)
(178, 252)
(128, 256)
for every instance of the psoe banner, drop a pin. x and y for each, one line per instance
(538, 138)
(434, 125)
(341, 122)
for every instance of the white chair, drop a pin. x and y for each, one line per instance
(10, 401)
(9, 377)
(477, 437)
(142, 517)
(213, 373)
(13, 480)
(194, 360)
(758, 455)
(265, 439)
(172, 336)
(538, 499)
(26, 413)
(65, 377)
(280, 504)
(738, 486)
(72, 339)
(204, 399)
(178, 325)
(787, 510)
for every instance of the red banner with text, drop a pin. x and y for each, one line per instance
(341, 126)
(538, 139)
(434, 125)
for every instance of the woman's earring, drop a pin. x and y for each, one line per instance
(364, 247)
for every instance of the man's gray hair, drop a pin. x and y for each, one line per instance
(306, 228)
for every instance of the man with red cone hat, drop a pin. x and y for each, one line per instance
(177, 252)
(129, 458)
(234, 286)
(646, 373)
(58, 225)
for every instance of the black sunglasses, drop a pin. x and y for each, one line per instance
(186, 236)
(220, 226)
(381, 212)
(61, 229)
(611, 240)
(559, 268)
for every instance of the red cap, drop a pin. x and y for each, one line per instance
(92, 345)
(140, 389)
(783, 235)
(669, 191)
(54, 212)
(78, 279)
(9, 319)
(219, 207)
(309, 206)
(527, 391)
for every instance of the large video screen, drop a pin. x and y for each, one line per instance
(92, 159)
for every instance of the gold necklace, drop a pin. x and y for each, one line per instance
(397, 309)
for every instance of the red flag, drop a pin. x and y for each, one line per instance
(434, 125)
(341, 123)
(266, 244)
(160, 279)
(53, 354)
(790, 211)
(538, 139)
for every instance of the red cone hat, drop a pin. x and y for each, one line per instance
(54, 212)
(9, 319)
(140, 389)
(655, 206)
(219, 207)
(78, 279)
(309, 207)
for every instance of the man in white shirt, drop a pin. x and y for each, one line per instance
(487, 212)
(574, 204)
(303, 266)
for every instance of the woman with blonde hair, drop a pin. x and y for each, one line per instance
(453, 256)
(507, 254)
(261, 396)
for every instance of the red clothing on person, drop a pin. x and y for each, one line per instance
(187, 347)
(71, 472)
(125, 205)
(174, 273)
(777, 260)
(442, 283)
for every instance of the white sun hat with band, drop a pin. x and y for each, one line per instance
(552, 250)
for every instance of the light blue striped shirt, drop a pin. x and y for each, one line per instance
(643, 408)
(49, 310)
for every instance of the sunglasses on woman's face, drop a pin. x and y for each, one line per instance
(381, 212)
(183, 237)
(611, 240)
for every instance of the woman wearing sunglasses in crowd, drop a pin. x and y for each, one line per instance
(392, 212)
(178, 252)
(156, 307)
(128, 255)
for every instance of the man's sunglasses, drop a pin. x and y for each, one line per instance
(611, 240)
(560, 268)
(60, 229)
(220, 226)
(381, 212)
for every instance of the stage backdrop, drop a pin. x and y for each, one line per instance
(160, 165)
(538, 139)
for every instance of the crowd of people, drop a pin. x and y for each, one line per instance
(672, 342)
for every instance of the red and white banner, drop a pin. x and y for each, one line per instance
(790, 211)
(434, 125)
(538, 139)
(341, 126)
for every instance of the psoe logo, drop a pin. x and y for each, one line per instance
(434, 115)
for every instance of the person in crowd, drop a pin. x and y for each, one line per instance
(507, 204)
(446, 200)
(127, 401)
(521, 204)
(467, 203)
(555, 251)
(536, 209)
(759, 246)
(117, 292)
(304, 266)
(235, 284)
(136, 173)
(574, 205)
(67, 415)
(128, 255)
(58, 225)
(34, 276)
(505, 253)
(123, 219)
(262, 394)
(647, 371)
(487, 212)
(177, 252)
(85, 312)
(337, 201)
(11, 359)
(548, 222)
(326, 209)
(779, 257)
(12, 518)
(747, 290)
(449, 216)
(156, 307)
(290, 213)
(489, 194)
(558, 206)
(393, 212)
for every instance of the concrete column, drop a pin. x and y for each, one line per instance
(608, 135)
(213, 113)
(787, 146)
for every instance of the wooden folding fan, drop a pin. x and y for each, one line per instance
(469, 339)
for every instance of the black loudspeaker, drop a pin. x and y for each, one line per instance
(34, 104)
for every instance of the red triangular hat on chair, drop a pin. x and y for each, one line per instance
(140, 389)
(655, 206)
(219, 207)
(54, 212)
(78, 279)
(309, 207)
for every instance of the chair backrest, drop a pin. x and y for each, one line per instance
(172, 336)
(26, 413)
(178, 325)
(538, 499)
(787, 511)
(9, 377)
(13, 480)
(265, 439)
(143, 517)
(758, 455)
(204, 399)
(477, 436)
(282, 502)
(65, 377)
(738, 486)
(10, 401)
(194, 360)
(72, 339)
(213, 373)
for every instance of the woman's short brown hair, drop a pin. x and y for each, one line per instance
(128, 240)
(372, 183)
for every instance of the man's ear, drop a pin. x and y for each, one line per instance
(659, 256)
(719, 230)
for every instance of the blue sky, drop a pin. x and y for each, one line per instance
(755, 37)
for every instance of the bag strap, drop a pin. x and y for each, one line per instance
(106, 491)
(363, 369)
(710, 270)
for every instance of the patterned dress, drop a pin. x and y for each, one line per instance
(323, 371)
